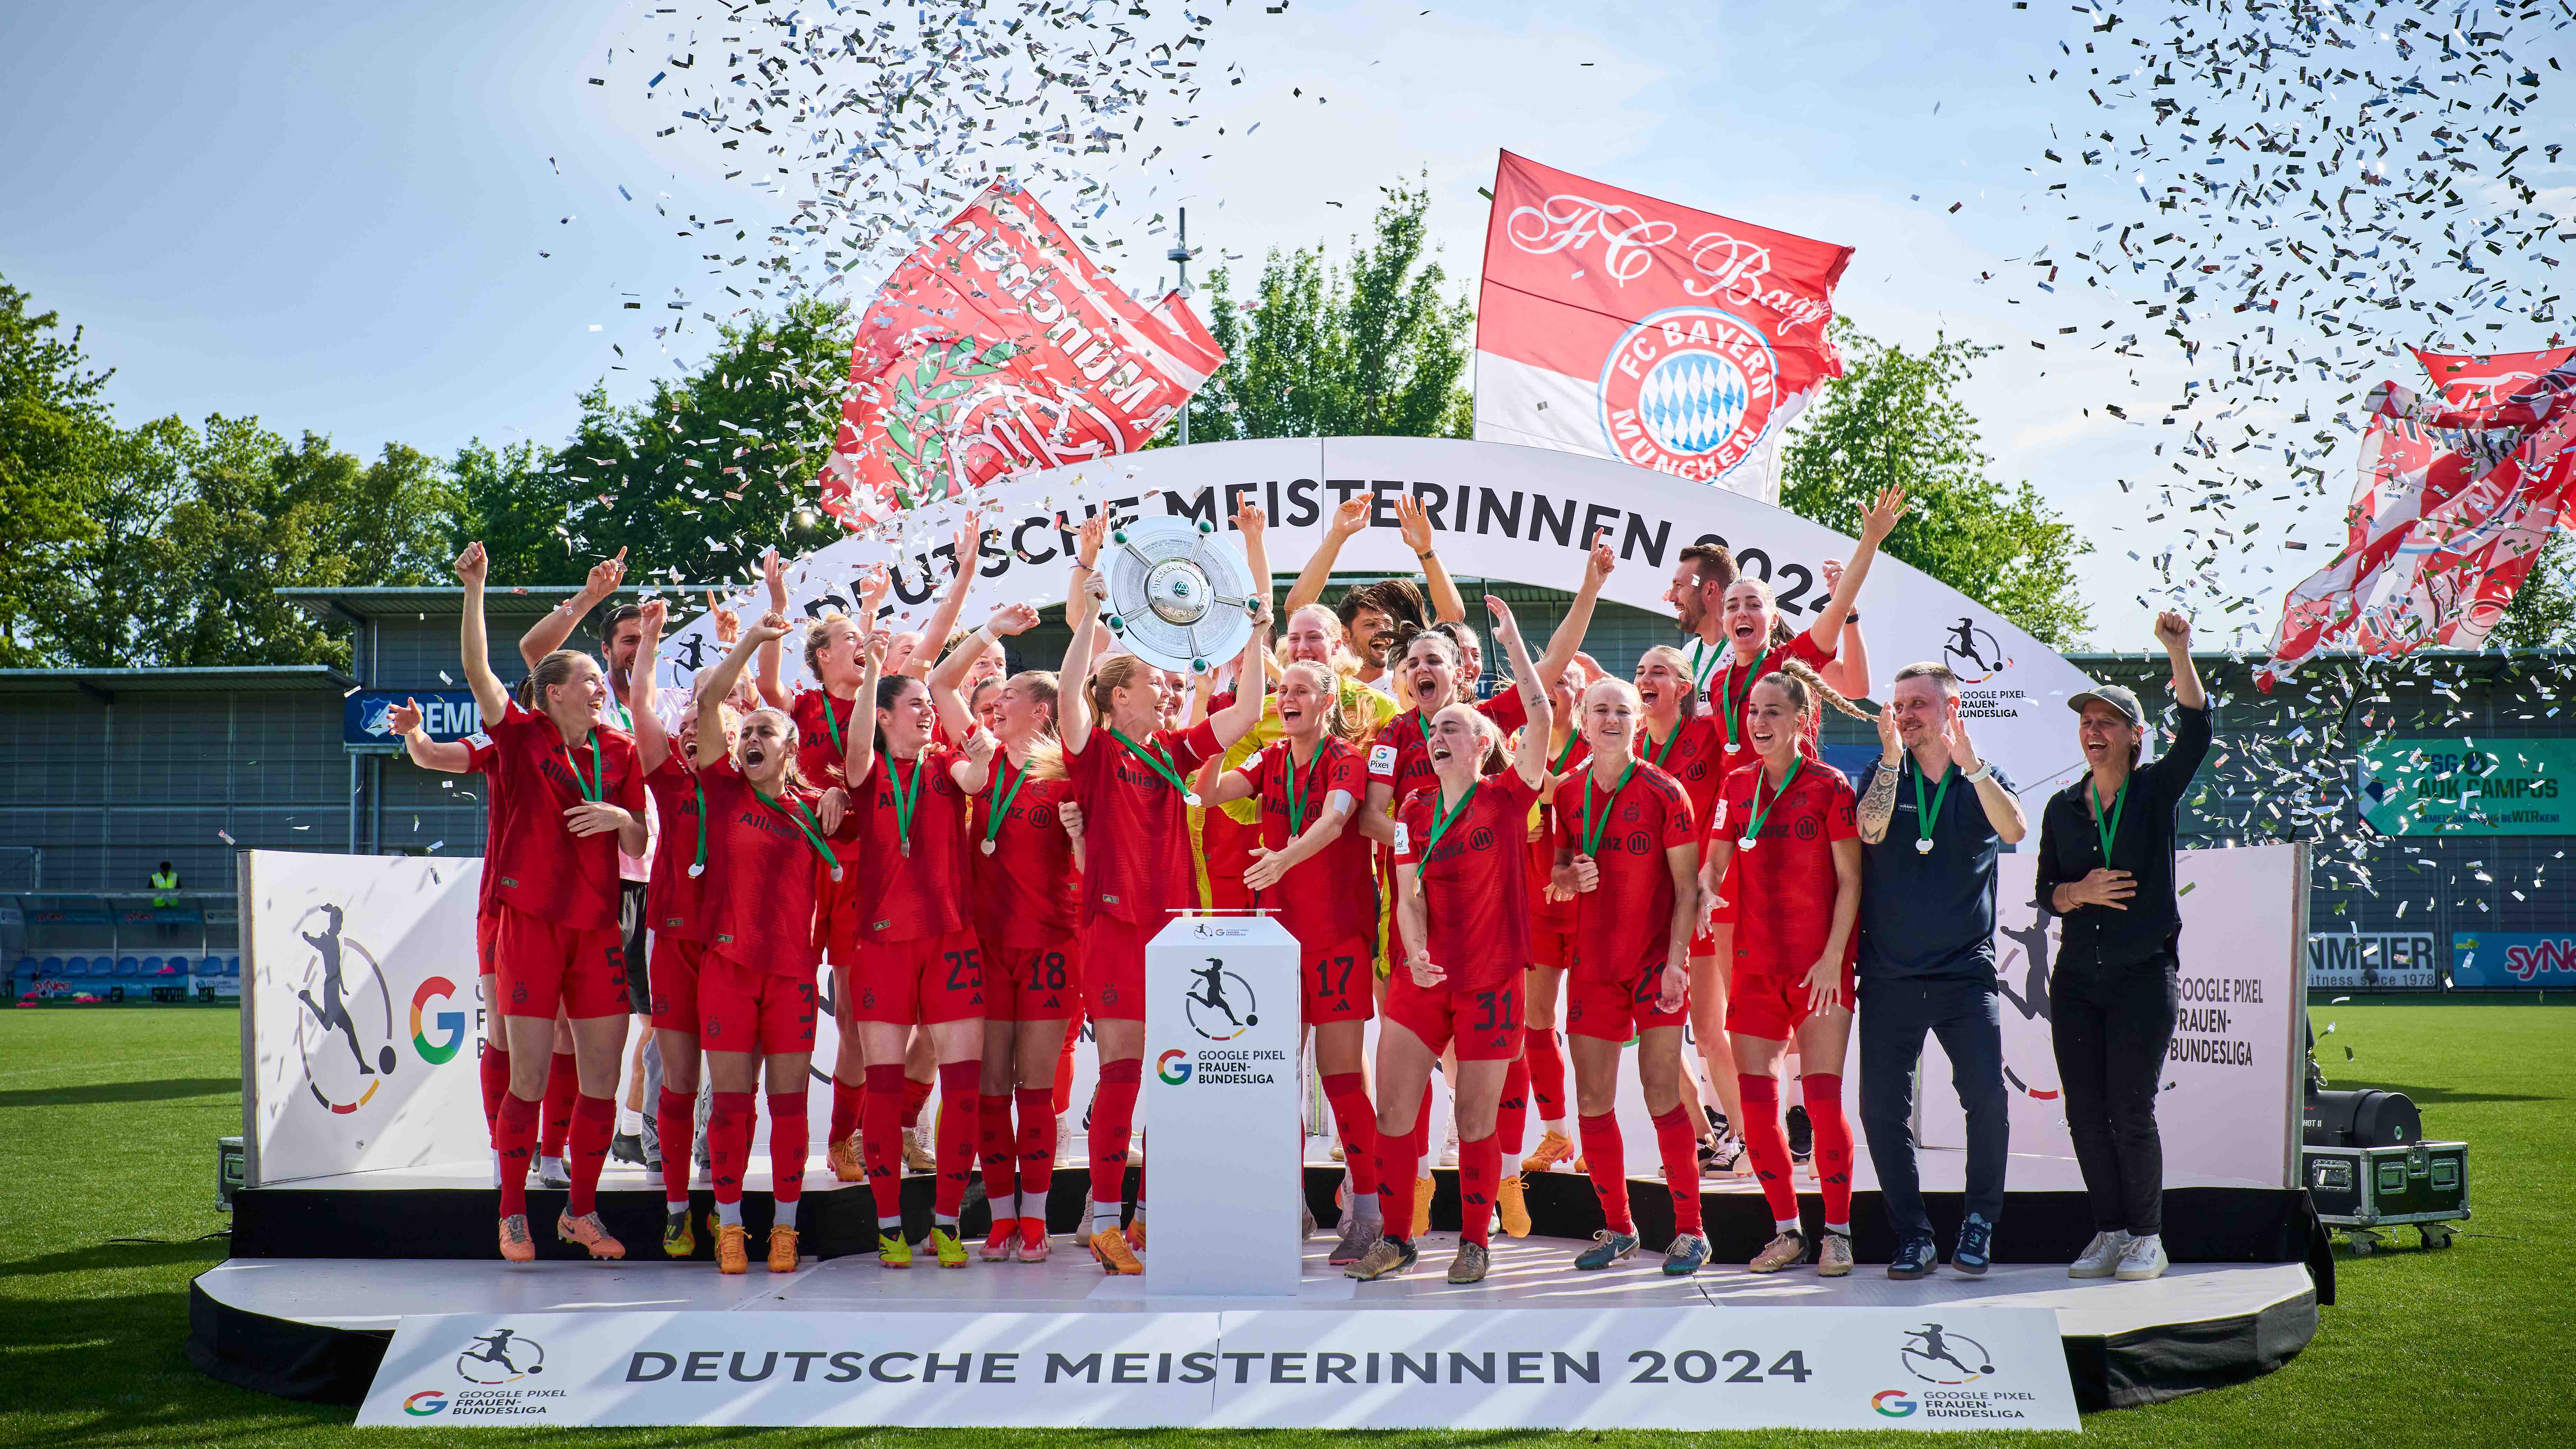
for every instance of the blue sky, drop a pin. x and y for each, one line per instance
(331, 216)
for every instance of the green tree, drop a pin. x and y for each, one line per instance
(1894, 417)
(1372, 346)
(514, 499)
(2542, 613)
(50, 416)
(96, 587)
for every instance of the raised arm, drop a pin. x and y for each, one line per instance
(2174, 632)
(1251, 688)
(1415, 525)
(1530, 757)
(1875, 525)
(1567, 641)
(714, 686)
(1073, 695)
(1348, 519)
(952, 605)
(948, 681)
(549, 633)
(773, 687)
(1878, 802)
(451, 757)
(859, 742)
(474, 643)
(652, 742)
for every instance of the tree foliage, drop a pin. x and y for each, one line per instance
(1895, 417)
(1371, 346)
(2542, 613)
(49, 417)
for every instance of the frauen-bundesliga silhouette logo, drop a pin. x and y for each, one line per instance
(345, 1033)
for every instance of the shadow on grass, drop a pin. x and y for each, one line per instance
(2437, 1096)
(117, 1366)
(108, 1256)
(166, 1089)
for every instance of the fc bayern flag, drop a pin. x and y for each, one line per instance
(1626, 327)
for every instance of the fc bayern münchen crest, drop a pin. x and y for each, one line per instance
(1688, 391)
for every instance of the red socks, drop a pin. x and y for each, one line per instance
(1605, 1156)
(1395, 1186)
(788, 1132)
(914, 1094)
(675, 1111)
(1062, 1096)
(517, 1137)
(1824, 1098)
(1480, 1176)
(1036, 1150)
(1546, 1060)
(846, 1103)
(594, 1122)
(1511, 1112)
(1001, 1155)
(494, 1067)
(959, 1108)
(1113, 1121)
(563, 1087)
(1680, 1148)
(728, 1143)
(1769, 1147)
(881, 1140)
(1357, 1122)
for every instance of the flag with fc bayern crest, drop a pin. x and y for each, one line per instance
(1618, 325)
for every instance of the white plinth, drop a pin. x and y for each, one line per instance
(1221, 1102)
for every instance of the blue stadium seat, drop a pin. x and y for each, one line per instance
(151, 965)
(128, 966)
(51, 966)
(232, 965)
(68, 966)
(28, 967)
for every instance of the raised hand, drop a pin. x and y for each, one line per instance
(773, 572)
(873, 586)
(1880, 521)
(1012, 619)
(1832, 569)
(404, 717)
(1963, 751)
(605, 576)
(1602, 559)
(1506, 628)
(1094, 533)
(2173, 631)
(473, 565)
(979, 745)
(729, 626)
(1249, 519)
(1891, 746)
(1349, 518)
(970, 542)
(1412, 522)
(652, 613)
(772, 625)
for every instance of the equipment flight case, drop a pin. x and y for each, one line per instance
(2366, 1167)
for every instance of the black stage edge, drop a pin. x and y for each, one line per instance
(279, 1356)
(2122, 1371)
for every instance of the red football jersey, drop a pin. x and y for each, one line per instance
(1402, 755)
(1783, 889)
(1728, 687)
(536, 865)
(1136, 828)
(1474, 881)
(1026, 891)
(674, 903)
(1623, 925)
(1331, 897)
(764, 879)
(483, 758)
(909, 897)
(823, 726)
(1545, 914)
(1695, 755)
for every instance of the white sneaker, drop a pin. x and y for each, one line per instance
(2144, 1258)
(551, 1172)
(1449, 1144)
(2100, 1256)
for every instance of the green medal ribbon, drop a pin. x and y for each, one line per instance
(1440, 823)
(905, 798)
(1163, 767)
(1593, 829)
(833, 722)
(698, 867)
(1726, 696)
(1700, 672)
(1001, 806)
(805, 823)
(1296, 795)
(1666, 748)
(2106, 819)
(1572, 738)
(1924, 819)
(1762, 812)
(594, 788)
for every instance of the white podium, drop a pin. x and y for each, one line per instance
(1224, 1167)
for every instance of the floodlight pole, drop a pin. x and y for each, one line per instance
(1180, 253)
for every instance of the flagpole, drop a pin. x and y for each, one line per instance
(1180, 253)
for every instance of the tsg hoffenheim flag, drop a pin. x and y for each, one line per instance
(1625, 327)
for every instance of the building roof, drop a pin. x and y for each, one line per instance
(106, 684)
(360, 605)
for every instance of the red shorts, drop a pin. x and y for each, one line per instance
(1113, 968)
(745, 1009)
(545, 965)
(1333, 982)
(836, 905)
(1771, 1004)
(487, 945)
(1550, 946)
(919, 983)
(1041, 982)
(676, 966)
(1618, 1010)
(1485, 1023)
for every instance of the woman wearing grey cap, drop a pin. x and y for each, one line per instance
(2106, 870)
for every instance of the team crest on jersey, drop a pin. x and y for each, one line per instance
(1688, 391)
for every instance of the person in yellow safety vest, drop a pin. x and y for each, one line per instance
(164, 881)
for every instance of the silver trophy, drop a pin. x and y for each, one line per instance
(1178, 594)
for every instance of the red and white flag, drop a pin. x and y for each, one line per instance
(2472, 552)
(997, 348)
(1626, 327)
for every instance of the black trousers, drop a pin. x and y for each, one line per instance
(1963, 1014)
(2112, 1029)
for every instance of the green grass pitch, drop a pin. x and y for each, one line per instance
(108, 1120)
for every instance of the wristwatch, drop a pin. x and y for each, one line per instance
(1985, 771)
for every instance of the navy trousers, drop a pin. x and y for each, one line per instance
(1962, 1012)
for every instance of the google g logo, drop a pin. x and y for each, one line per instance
(1173, 1067)
(1892, 1403)
(425, 1403)
(450, 1024)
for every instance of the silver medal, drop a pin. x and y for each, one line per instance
(1922, 847)
(696, 869)
(988, 847)
(907, 852)
(836, 873)
(1730, 747)
(1190, 800)
(1745, 843)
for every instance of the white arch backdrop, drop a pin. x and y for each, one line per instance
(1502, 512)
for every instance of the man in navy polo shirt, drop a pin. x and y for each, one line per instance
(1932, 817)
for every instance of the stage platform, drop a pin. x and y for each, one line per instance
(316, 1328)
